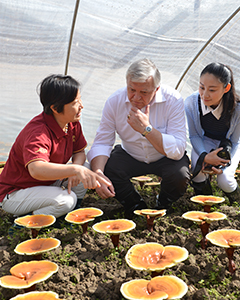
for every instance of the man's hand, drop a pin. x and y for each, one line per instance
(137, 119)
(105, 191)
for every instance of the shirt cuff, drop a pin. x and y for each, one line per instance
(171, 148)
(97, 151)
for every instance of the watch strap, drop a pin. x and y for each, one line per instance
(148, 129)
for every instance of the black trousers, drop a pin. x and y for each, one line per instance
(121, 167)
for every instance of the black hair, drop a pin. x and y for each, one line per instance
(225, 75)
(57, 90)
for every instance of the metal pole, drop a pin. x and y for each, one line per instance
(205, 45)
(71, 35)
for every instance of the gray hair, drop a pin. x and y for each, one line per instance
(141, 70)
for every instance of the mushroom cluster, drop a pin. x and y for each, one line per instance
(226, 238)
(204, 220)
(26, 275)
(151, 257)
(142, 180)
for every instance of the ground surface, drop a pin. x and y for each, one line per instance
(90, 267)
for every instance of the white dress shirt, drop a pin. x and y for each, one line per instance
(166, 115)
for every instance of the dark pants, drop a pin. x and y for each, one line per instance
(121, 167)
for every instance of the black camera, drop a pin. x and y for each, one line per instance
(225, 153)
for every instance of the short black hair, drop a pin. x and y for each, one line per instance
(57, 90)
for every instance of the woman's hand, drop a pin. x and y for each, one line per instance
(213, 159)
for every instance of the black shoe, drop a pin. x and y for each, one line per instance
(202, 188)
(234, 196)
(163, 202)
(129, 214)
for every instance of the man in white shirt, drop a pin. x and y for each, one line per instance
(150, 121)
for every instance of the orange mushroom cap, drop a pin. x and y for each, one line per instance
(159, 287)
(224, 238)
(37, 246)
(26, 274)
(199, 216)
(154, 256)
(37, 296)
(83, 215)
(35, 221)
(207, 200)
(151, 212)
(153, 183)
(142, 178)
(114, 226)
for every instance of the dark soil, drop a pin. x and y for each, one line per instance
(91, 268)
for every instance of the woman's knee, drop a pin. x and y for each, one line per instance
(70, 201)
(226, 183)
(65, 203)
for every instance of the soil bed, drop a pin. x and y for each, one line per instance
(90, 268)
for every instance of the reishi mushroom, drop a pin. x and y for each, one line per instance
(114, 228)
(37, 246)
(36, 296)
(207, 201)
(35, 222)
(159, 287)
(154, 257)
(228, 239)
(204, 220)
(142, 179)
(27, 274)
(150, 215)
(83, 216)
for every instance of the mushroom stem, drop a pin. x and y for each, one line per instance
(37, 256)
(84, 227)
(207, 208)
(30, 289)
(155, 273)
(150, 221)
(34, 233)
(231, 265)
(115, 240)
(204, 228)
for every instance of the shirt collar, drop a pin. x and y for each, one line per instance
(215, 111)
(54, 127)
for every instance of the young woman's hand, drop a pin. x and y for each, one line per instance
(213, 159)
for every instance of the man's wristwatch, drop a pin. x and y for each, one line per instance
(148, 129)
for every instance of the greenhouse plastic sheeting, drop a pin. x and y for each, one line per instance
(107, 37)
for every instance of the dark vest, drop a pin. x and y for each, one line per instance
(213, 128)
